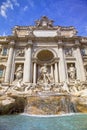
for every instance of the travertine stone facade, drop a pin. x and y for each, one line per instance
(29, 48)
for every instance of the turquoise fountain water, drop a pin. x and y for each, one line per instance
(26, 122)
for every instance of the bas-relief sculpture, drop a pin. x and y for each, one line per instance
(32, 75)
(20, 53)
(68, 52)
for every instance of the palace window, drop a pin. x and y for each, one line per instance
(4, 52)
(2, 68)
(83, 52)
(1, 73)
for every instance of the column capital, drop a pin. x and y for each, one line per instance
(34, 60)
(77, 43)
(12, 43)
(56, 60)
(29, 43)
(60, 43)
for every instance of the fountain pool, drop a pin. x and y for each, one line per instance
(27, 122)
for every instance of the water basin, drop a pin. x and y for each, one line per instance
(29, 122)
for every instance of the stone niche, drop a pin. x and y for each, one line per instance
(71, 71)
(45, 55)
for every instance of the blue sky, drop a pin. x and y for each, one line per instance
(25, 12)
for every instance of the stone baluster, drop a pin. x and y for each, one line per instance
(9, 62)
(27, 64)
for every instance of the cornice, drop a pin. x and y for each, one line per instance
(62, 28)
(4, 40)
(7, 39)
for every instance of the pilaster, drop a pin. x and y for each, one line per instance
(34, 73)
(27, 64)
(56, 72)
(79, 62)
(9, 62)
(62, 68)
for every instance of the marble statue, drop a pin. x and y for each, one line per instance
(45, 77)
(65, 87)
(18, 82)
(19, 72)
(72, 72)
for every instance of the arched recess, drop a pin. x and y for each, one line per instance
(48, 57)
(51, 51)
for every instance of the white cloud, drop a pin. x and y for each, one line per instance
(4, 7)
(16, 3)
(25, 8)
(7, 5)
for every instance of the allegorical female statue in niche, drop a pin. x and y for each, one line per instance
(18, 82)
(72, 72)
(19, 72)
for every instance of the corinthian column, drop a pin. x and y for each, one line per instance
(79, 63)
(56, 73)
(9, 62)
(62, 68)
(34, 73)
(27, 64)
(52, 71)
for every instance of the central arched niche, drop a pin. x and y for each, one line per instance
(45, 55)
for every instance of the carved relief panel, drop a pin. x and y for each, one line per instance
(20, 53)
(68, 52)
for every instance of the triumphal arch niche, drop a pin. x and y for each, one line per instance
(43, 55)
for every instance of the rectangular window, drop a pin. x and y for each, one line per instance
(4, 51)
(1, 73)
(83, 52)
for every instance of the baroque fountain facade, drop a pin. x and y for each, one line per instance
(43, 70)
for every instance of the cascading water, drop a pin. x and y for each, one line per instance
(50, 105)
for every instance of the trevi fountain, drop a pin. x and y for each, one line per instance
(43, 78)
